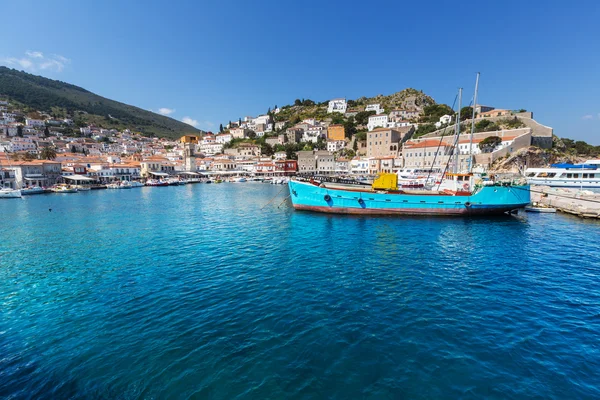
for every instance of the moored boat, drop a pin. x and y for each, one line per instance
(64, 188)
(8, 193)
(156, 182)
(33, 190)
(389, 199)
(586, 175)
(539, 208)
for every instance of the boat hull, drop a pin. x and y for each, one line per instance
(488, 200)
(10, 194)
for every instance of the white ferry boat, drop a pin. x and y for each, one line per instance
(585, 175)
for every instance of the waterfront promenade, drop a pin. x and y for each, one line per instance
(202, 291)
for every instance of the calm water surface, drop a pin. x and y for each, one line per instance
(197, 292)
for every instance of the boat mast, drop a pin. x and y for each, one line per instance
(457, 132)
(473, 125)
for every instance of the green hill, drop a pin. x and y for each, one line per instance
(406, 99)
(56, 97)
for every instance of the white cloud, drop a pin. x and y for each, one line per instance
(34, 54)
(36, 61)
(190, 121)
(166, 111)
(208, 123)
(588, 116)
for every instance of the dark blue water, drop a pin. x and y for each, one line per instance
(197, 292)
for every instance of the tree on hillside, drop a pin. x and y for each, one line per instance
(220, 127)
(486, 126)
(73, 149)
(488, 144)
(349, 127)
(466, 113)
(46, 132)
(337, 118)
(308, 102)
(434, 112)
(20, 130)
(269, 111)
(290, 152)
(252, 135)
(424, 129)
(28, 156)
(266, 149)
(297, 102)
(355, 145)
(362, 118)
(321, 144)
(48, 153)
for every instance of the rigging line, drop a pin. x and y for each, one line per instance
(287, 197)
(284, 186)
(440, 143)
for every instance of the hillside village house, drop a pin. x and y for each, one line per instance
(335, 145)
(294, 135)
(383, 142)
(279, 125)
(494, 114)
(481, 108)
(319, 161)
(239, 133)
(272, 141)
(342, 166)
(244, 150)
(35, 172)
(35, 123)
(312, 133)
(359, 166)
(404, 114)
(426, 154)
(444, 120)
(379, 120)
(374, 107)
(338, 105)
(223, 138)
(381, 164)
(336, 132)
(155, 167)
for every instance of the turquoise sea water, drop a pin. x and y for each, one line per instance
(197, 292)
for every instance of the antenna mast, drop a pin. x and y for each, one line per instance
(473, 124)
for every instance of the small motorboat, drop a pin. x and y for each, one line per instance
(539, 208)
(135, 184)
(33, 190)
(64, 189)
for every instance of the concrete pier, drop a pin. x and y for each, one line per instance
(583, 203)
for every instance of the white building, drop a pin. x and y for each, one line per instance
(379, 120)
(312, 133)
(337, 105)
(34, 123)
(374, 107)
(223, 138)
(444, 120)
(359, 166)
(335, 145)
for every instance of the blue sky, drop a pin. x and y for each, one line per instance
(216, 61)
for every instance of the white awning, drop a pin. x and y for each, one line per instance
(35, 179)
(159, 173)
(78, 177)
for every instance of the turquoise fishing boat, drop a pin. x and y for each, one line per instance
(486, 199)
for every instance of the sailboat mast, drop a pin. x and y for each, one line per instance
(457, 131)
(473, 124)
